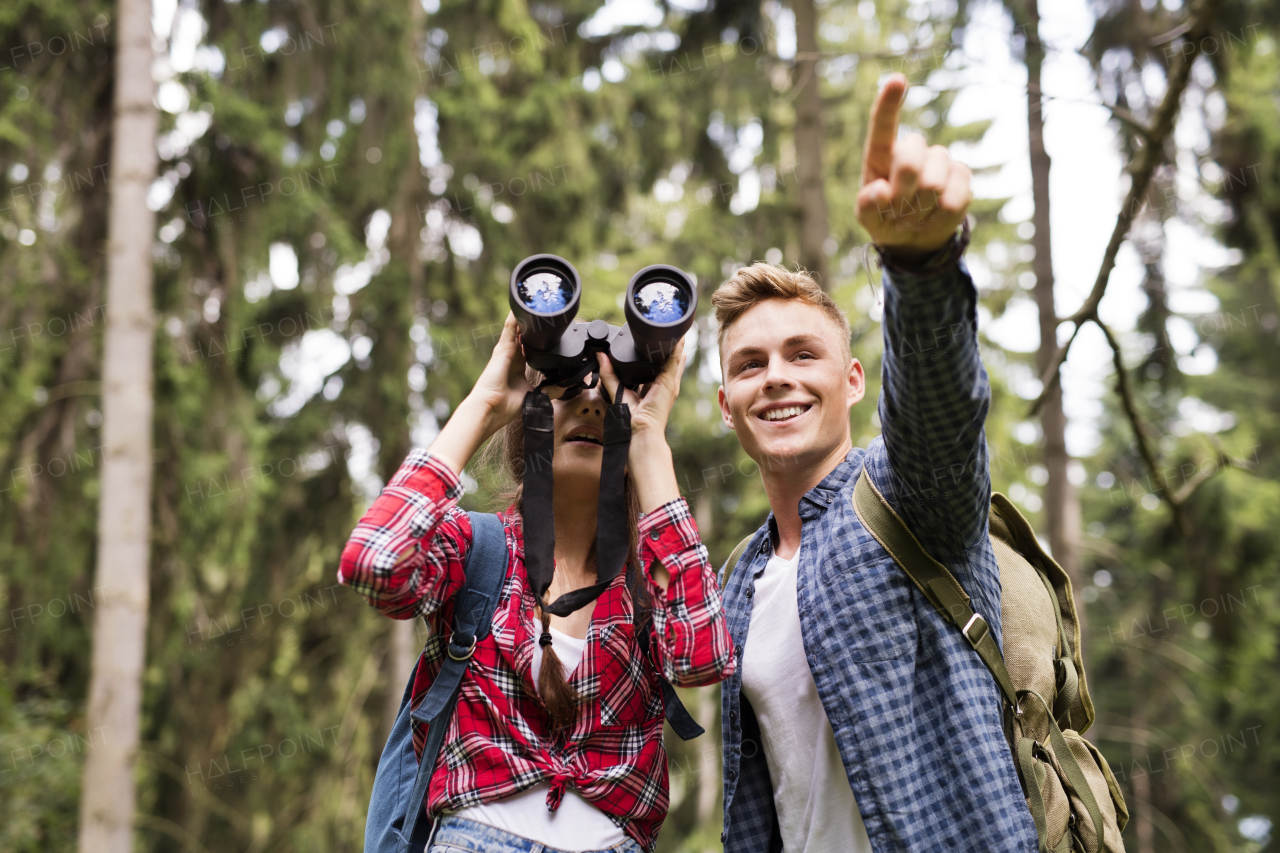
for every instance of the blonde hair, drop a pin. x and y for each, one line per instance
(761, 281)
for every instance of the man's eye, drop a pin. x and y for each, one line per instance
(806, 355)
(746, 365)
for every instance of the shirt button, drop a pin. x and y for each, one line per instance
(722, 838)
(731, 774)
(733, 716)
(751, 591)
(655, 535)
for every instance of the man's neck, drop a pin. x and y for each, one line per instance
(786, 486)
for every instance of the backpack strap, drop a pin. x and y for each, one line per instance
(934, 579)
(682, 722)
(944, 591)
(1067, 680)
(732, 562)
(486, 569)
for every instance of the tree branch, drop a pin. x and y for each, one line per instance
(1223, 460)
(902, 55)
(1139, 431)
(1130, 119)
(1198, 479)
(1199, 23)
(1176, 500)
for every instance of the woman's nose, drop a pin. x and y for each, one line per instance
(591, 403)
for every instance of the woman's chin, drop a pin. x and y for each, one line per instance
(582, 474)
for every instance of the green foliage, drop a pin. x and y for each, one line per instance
(1185, 625)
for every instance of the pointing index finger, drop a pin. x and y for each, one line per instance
(878, 155)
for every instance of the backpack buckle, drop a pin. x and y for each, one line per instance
(469, 652)
(981, 629)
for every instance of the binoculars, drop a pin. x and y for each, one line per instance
(659, 307)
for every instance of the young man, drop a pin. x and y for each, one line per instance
(859, 719)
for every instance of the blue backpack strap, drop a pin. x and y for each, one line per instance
(486, 568)
(682, 722)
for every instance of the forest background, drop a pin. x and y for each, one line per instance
(340, 190)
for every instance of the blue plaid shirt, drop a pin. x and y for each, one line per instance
(916, 714)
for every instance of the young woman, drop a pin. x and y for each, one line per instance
(556, 743)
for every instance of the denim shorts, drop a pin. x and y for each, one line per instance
(458, 835)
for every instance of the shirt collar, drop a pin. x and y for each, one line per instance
(820, 496)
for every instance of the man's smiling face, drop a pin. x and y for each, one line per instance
(789, 383)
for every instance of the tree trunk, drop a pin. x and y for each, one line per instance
(124, 508)
(402, 242)
(1061, 503)
(704, 515)
(813, 197)
(709, 763)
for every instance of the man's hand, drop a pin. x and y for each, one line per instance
(913, 196)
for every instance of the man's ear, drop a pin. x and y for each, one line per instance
(724, 407)
(857, 382)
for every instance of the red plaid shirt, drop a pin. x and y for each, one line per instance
(406, 558)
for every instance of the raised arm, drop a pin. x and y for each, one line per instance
(935, 393)
(406, 554)
(693, 645)
(933, 402)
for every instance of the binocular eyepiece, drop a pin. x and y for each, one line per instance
(544, 295)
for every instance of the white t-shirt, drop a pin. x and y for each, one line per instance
(576, 824)
(816, 809)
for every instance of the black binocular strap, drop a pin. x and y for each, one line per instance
(539, 516)
(538, 509)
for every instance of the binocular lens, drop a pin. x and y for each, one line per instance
(544, 297)
(659, 309)
(544, 292)
(661, 301)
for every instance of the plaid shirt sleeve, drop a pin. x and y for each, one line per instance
(406, 554)
(933, 403)
(693, 645)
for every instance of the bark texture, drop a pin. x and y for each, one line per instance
(405, 280)
(1061, 503)
(813, 198)
(124, 509)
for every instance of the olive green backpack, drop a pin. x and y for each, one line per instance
(1073, 796)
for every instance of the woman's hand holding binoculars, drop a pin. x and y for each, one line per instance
(651, 408)
(495, 401)
(649, 457)
(502, 385)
